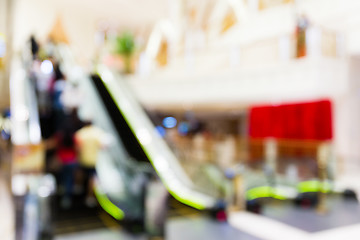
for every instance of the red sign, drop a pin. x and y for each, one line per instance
(303, 121)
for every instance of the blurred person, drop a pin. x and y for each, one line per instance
(66, 153)
(227, 151)
(172, 137)
(71, 97)
(34, 47)
(199, 148)
(209, 145)
(224, 148)
(56, 89)
(43, 82)
(301, 28)
(89, 140)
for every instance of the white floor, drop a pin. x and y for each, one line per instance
(268, 229)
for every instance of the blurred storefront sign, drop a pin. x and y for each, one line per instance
(301, 121)
(28, 158)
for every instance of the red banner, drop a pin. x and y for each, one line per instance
(305, 121)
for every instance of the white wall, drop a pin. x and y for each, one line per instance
(347, 121)
(296, 80)
(2, 15)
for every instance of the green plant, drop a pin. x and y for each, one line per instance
(125, 46)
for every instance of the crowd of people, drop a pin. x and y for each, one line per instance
(71, 143)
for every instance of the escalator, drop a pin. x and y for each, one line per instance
(138, 154)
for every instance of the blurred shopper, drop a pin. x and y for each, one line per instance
(66, 153)
(226, 152)
(43, 78)
(34, 47)
(57, 88)
(71, 97)
(199, 149)
(301, 28)
(89, 140)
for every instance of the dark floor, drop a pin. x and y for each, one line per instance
(188, 223)
(183, 223)
(80, 218)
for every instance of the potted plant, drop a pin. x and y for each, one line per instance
(125, 47)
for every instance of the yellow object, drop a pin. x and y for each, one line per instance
(263, 4)
(229, 21)
(2, 52)
(57, 33)
(163, 54)
(89, 141)
(2, 64)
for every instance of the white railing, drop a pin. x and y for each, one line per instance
(296, 80)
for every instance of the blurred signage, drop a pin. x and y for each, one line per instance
(301, 121)
(28, 158)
